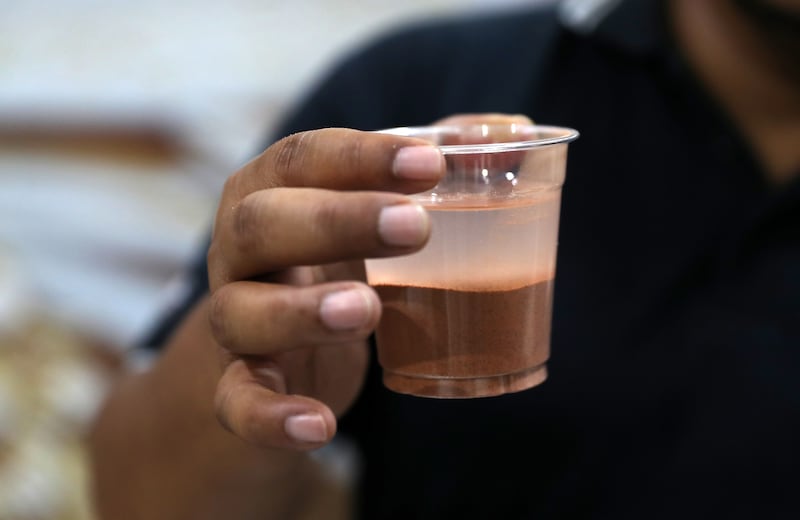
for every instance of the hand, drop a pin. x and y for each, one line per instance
(289, 306)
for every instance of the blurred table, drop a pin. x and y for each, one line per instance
(98, 216)
(51, 383)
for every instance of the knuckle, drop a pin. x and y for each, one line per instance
(222, 409)
(246, 222)
(213, 255)
(353, 150)
(218, 316)
(239, 417)
(297, 311)
(281, 306)
(231, 183)
(289, 155)
(216, 265)
(326, 215)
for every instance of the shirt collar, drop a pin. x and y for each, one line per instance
(633, 26)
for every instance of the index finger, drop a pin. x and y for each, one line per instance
(341, 159)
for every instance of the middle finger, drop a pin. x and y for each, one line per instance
(251, 318)
(274, 229)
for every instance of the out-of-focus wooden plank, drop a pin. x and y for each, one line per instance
(145, 145)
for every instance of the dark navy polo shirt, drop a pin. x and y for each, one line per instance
(673, 389)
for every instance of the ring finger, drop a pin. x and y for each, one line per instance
(264, 319)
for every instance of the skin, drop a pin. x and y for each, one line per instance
(752, 70)
(254, 379)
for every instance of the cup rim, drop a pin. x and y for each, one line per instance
(558, 135)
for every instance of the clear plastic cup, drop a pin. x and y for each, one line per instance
(469, 315)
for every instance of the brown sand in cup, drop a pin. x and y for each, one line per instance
(464, 343)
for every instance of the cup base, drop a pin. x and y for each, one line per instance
(464, 387)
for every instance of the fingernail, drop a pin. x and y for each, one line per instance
(403, 225)
(309, 427)
(418, 163)
(344, 310)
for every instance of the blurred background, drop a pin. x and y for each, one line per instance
(119, 122)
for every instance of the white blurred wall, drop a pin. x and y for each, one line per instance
(190, 59)
(96, 240)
